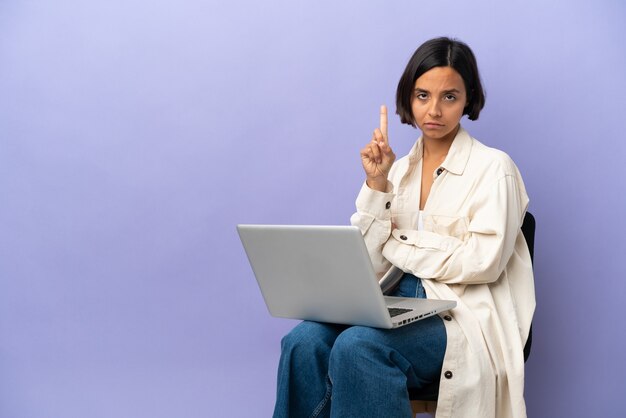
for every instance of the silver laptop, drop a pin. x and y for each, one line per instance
(324, 274)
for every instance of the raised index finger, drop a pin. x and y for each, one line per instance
(383, 122)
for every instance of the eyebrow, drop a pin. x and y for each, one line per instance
(445, 91)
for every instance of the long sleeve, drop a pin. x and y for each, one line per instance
(496, 215)
(373, 217)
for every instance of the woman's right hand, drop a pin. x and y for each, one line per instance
(377, 157)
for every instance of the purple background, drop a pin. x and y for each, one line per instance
(135, 135)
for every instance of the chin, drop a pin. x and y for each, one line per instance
(435, 133)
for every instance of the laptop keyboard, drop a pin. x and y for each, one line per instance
(398, 311)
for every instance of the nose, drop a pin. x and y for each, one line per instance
(434, 111)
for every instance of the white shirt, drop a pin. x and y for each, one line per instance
(470, 250)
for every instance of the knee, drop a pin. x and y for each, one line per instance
(353, 345)
(307, 339)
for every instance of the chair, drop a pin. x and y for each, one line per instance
(428, 404)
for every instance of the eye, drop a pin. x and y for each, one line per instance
(449, 97)
(421, 96)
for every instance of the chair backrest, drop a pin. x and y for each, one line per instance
(528, 229)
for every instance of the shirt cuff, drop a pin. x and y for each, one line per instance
(426, 239)
(375, 203)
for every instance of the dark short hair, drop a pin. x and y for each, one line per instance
(441, 52)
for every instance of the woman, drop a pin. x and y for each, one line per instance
(449, 215)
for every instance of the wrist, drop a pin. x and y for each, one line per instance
(378, 184)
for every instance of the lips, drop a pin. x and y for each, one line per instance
(433, 125)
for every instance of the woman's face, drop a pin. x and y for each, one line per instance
(438, 101)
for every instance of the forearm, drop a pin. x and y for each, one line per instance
(444, 258)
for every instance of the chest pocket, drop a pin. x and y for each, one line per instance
(452, 226)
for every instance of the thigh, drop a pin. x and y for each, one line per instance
(419, 347)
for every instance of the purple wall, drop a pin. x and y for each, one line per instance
(135, 134)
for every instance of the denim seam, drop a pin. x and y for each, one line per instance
(324, 400)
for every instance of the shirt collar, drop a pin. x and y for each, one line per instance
(457, 157)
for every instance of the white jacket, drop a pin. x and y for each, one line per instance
(472, 251)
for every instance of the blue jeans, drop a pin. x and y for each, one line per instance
(329, 370)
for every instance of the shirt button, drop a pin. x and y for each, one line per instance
(447, 318)
(403, 237)
(387, 205)
(448, 374)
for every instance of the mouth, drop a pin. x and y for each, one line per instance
(433, 125)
